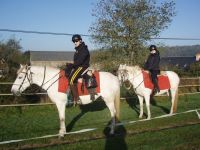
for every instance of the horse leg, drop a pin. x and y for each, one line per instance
(174, 99)
(147, 101)
(61, 112)
(141, 99)
(111, 107)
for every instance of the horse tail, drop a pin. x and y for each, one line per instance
(176, 95)
(117, 104)
(175, 101)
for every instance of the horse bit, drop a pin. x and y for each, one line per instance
(125, 76)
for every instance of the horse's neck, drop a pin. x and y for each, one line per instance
(44, 76)
(136, 78)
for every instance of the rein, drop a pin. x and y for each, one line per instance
(54, 81)
(125, 71)
(138, 85)
(43, 81)
(44, 76)
(26, 75)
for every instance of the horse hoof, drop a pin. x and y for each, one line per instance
(111, 134)
(79, 102)
(60, 137)
(61, 134)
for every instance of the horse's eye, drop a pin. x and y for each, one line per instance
(19, 77)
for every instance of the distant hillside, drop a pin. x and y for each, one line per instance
(180, 50)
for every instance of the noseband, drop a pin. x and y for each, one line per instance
(124, 78)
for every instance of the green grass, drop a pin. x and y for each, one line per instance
(174, 132)
(165, 139)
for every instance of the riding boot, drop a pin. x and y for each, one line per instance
(156, 87)
(69, 96)
(92, 93)
(75, 94)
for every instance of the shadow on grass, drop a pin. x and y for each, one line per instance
(116, 141)
(154, 103)
(132, 101)
(97, 105)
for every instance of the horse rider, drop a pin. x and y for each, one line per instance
(81, 63)
(152, 65)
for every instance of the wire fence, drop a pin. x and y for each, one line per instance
(122, 98)
(88, 35)
(92, 129)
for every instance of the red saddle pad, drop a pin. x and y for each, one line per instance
(163, 81)
(63, 84)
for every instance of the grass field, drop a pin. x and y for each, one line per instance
(177, 132)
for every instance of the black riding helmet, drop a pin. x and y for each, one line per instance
(76, 37)
(152, 47)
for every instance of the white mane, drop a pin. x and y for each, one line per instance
(133, 69)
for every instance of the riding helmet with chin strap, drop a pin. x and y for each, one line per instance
(76, 37)
(152, 47)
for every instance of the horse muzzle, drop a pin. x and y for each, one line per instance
(16, 93)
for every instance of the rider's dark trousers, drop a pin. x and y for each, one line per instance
(75, 74)
(73, 79)
(154, 77)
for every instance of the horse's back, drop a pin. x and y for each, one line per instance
(107, 77)
(108, 80)
(173, 78)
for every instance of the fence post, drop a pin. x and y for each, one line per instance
(199, 83)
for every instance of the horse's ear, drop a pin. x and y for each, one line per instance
(26, 66)
(20, 69)
(124, 66)
(21, 66)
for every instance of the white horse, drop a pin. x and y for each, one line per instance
(47, 79)
(134, 75)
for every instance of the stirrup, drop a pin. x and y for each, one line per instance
(155, 91)
(74, 103)
(92, 97)
(78, 102)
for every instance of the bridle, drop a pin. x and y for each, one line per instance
(27, 75)
(125, 78)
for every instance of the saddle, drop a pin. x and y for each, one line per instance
(163, 80)
(162, 73)
(88, 80)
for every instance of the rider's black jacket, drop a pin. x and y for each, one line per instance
(81, 56)
(153, 61)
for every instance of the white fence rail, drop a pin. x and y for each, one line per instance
(40, 104)
(92, 129)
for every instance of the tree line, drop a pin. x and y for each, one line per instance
(12, 55)
(122, 31)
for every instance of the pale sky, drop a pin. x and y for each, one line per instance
(70, 17)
